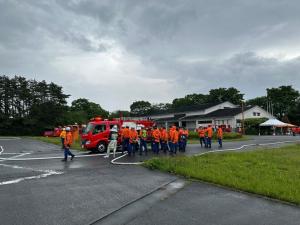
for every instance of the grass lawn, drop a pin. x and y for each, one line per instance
(196, 140)
(271, 172)
(57, 141)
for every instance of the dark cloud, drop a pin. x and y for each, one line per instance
(153, 50)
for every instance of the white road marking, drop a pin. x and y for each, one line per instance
(45, 173)
(50, 173)
(124, 163)
(10, 138)
(54, 157)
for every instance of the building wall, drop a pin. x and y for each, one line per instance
(250, 113)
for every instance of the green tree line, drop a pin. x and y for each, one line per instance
(28, 107)
(283, 102)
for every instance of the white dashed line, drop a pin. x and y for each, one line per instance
(54, 157)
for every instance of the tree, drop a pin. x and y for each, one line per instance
(140, 107)
(260, 101)
(90, 108)
(192, 99)
(283, 99)
(223, 94)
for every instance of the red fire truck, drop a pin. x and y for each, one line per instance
(95, 136)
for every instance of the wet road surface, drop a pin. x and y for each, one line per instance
(37, 188)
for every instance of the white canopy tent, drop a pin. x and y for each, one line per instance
(273, 123)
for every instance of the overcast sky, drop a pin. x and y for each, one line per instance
(116, 52)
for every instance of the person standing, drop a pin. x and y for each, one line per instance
(113, 141)
(164, 139)
(201, 133)
(184, 138)
(133, 138)
(67, 144)
(62, 137)
(156, 140)
(170, 135)
(143, 141)
(175, 139)
(125, 139)
(180, 140)
(220, 136)
(209, 136)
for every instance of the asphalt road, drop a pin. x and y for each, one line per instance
(37, 188)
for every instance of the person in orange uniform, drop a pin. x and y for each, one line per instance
(170, 143)
(156, 139)
(180, 141)
(63, 137)
(201, 133)
(175, 139)
(220, 136)
(209, 135)
(184, 138)
(133, 140)
(67, 144)
(164, 139)
(125, 139)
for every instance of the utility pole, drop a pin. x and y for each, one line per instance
(243, 119)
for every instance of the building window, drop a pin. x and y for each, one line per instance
(258, 114)
(254, 113)
(205, 122)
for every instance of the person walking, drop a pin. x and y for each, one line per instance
(201, 133)
(143, 141)
(220, 136)
(113, 141)
(62, 137)
(67, 144)
(209, 136)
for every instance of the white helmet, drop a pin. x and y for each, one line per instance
(114, 128)
(68, 129)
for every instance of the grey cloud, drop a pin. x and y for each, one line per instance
(191, 46)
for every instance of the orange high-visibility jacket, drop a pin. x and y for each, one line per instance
(69, 139)
(201, 133)
(156, 135)
(164, 135)
(175, 136)
(125, 133)
(220, 133)
(186, 132)
(209, 132)
(133, 135)
(63, 134)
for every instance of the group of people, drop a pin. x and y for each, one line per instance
(160, 139)
(206, 135)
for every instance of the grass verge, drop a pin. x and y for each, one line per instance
(274, 173)
(57, 141)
